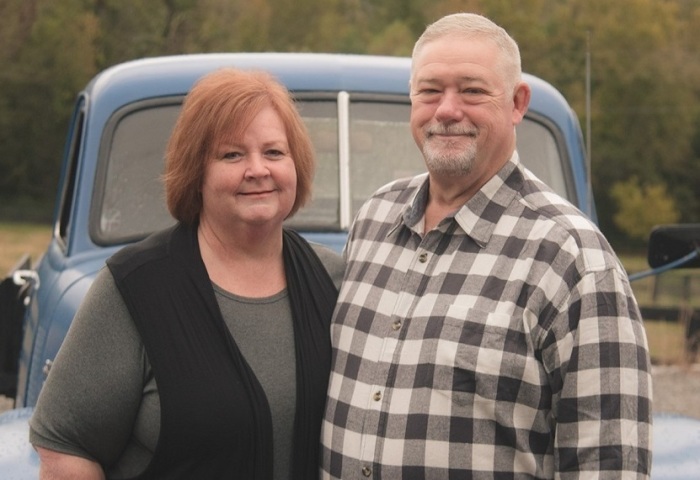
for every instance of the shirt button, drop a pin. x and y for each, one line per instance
(366, 471)
(423, 257)
(396, 325)
(377, 396)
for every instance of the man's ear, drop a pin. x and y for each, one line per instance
(521, 100)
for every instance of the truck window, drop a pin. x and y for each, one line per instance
(65, 205)
(131, 198)
(541, 149)
(376, 135)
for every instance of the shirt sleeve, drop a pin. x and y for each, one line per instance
(602, 379)
(90, 400)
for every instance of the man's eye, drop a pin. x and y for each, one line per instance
(427, 95)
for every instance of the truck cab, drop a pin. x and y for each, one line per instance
(356, 108)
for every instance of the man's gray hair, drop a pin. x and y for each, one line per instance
(472, 25)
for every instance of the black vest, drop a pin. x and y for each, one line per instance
(215, 419)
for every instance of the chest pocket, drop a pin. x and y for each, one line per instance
(487, 356)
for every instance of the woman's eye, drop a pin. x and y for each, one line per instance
(231, 156)
(272, 153)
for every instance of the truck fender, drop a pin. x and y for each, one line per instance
(18, 459)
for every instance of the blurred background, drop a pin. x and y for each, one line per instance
(644, 98)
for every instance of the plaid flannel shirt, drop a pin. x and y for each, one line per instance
(506, 343)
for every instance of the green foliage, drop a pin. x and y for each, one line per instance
(645, 112)
(41, 74)
(396, 39)
(639, 208)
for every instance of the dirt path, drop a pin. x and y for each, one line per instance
(677, 389)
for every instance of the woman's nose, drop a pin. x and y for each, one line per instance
(256, 165)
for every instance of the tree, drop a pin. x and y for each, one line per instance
(46, 66)
(642, 207)
(642, 101)
(645, 109)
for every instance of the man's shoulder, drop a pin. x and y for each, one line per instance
(548, 204)
(395, 194)
(568, 227)
(401, 185)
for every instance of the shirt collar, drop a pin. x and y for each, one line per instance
(479, 216)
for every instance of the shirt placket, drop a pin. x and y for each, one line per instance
(380, 392)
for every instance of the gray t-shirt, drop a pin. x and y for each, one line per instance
(101, 402)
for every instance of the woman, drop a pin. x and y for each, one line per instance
(203, 351)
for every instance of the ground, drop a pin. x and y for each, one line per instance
(677, 389)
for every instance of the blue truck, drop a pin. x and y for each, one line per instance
(356, 108)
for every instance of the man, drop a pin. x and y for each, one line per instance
(485, 328)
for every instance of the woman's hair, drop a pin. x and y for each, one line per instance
(472, 25)
(221, 105)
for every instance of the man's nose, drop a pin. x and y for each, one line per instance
(450, 107)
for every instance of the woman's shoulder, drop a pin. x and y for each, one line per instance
(332, 260)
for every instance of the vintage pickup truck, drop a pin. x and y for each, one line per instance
(357, 110)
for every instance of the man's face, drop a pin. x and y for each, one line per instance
(463, 108)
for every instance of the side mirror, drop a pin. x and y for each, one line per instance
(669, 243)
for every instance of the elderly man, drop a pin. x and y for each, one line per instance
(485, 328)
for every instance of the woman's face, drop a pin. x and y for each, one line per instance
(251, 181)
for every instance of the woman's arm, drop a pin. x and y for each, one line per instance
(92, 395)
(61, 466)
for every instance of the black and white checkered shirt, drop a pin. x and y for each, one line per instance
(505, 343)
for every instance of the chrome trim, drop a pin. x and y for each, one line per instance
(344, 191)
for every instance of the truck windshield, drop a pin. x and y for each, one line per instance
(361, 143)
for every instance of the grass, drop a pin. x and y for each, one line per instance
(16, 239)
(666, 339)
(671, 289)
(666, 343)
